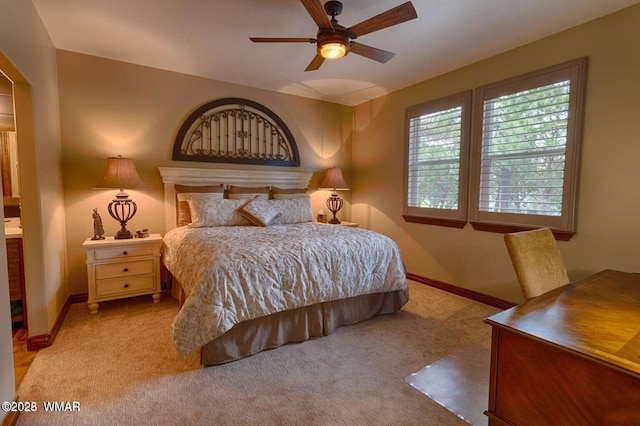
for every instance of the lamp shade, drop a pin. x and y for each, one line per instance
(120, 173)
(334, 180)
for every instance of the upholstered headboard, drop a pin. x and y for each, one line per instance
(247, 178)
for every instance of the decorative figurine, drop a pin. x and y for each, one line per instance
(98, 230)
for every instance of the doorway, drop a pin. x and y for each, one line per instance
(10, 103)
(11, 203)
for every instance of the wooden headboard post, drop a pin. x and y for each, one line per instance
(248, 178)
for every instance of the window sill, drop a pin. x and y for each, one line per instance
(451, 223)
(505, 229)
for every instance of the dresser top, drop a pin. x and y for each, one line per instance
(597, 316)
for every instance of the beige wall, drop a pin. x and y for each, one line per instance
(28, 58)
(608, 235)
(110, 108)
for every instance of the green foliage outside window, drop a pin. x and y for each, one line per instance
(523, 151)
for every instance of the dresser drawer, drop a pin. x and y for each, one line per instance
(124, 269)
(122, 253)
(120, 286)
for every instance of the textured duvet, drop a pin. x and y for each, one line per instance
(237, 273)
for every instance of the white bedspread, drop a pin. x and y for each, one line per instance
(236, 273)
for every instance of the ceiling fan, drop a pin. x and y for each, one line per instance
(335, 41)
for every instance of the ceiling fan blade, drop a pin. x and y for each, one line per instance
(397, 15)
(281, 40)
(317, 12)
(315, 63)
(374, 53)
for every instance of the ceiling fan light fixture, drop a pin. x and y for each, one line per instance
(333, 50)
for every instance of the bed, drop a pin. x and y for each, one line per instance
(245, 288)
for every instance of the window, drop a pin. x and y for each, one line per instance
(436, 171)
(524, 166)
(523, 169)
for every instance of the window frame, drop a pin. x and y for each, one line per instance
(434, 216)
(563, 226)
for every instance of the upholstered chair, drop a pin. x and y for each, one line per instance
(537, 261)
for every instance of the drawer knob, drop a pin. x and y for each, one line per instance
(124, 253)
(126, 269)
(126, 286)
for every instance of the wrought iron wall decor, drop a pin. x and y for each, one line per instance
(234, 130)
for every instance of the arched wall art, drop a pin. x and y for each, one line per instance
(234, 130)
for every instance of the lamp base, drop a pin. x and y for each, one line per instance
(122, 209)
(334, 204)
(123, 234)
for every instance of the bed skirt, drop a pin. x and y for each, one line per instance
(295, 326)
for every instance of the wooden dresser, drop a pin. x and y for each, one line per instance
(122, 268)
(570, 356)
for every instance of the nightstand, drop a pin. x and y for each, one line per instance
(122, 268)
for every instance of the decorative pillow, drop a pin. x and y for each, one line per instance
(243, 193)
(297, 210)
(215, 212)
(288, 194)
(184, 217)
(259, 212)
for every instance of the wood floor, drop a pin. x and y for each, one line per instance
(22, 358)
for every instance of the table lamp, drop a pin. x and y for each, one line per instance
(121, 173)
(334, 181)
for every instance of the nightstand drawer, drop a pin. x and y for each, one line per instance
(115, 286)
(123, 253)
(123, 269)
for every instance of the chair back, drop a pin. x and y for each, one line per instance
(537, 261)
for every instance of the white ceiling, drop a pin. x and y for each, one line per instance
(210, 38)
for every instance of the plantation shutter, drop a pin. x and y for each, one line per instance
(436, 161)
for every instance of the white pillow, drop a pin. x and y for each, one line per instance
(259, 212)
(297, 210)
(206, 212)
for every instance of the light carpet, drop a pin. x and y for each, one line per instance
(122, 367)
